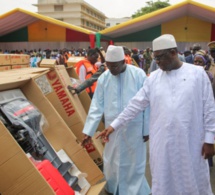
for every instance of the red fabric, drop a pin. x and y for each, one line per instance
(92, 40)
(213, 32)
(54, 178)
(111, 42)
(74, 36)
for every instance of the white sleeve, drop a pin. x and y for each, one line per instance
(96, 110)
(82, 73)
(146, 121)
(137, 104)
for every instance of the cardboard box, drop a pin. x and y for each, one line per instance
(19, 59)
(5, 68)
(17, 174)
(83, 96)
(4, 59)
(20, 66)
(54, 87)
(73, 60)
(58, 134)
(48, 63)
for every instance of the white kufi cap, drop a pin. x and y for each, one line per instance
(114, 54)
(166, 41)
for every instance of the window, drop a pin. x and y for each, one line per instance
(58, 7)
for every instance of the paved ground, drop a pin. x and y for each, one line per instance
(148, 176)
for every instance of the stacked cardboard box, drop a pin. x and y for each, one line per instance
(73, 60)
(4, 59)
(48, 63)
(17, 173)
(5, 68)
(14, 61)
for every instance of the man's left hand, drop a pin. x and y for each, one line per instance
(145, 138)
(207, 150)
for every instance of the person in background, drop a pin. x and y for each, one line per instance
(148, 59)
(187, 53)
(211, 47)
(128, 59)
(190, 58)
(125, 156)
(86, 68)
(47, 54)
(202, 59)
(141, 63)
(33, 61)
(135, 56)
(182, 122)
(89, 82)
(62, 57)
(39, 59)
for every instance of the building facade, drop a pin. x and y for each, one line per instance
(76, 12)
(109, 22)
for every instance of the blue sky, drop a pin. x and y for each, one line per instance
(111, 8)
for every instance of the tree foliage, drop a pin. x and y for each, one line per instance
(150, 7)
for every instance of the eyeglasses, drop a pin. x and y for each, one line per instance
(158, 58)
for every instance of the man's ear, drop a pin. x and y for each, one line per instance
(173, 52)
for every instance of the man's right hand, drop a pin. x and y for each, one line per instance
(87, 139)
(105, 134)
(72, 90)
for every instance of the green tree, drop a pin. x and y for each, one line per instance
(150, 7)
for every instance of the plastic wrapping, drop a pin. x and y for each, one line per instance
(75, 82)
(25, 123)
(17, 112)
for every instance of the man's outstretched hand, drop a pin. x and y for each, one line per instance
(72, 90)
(105, 134)
(145, 138)
(86, 140)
